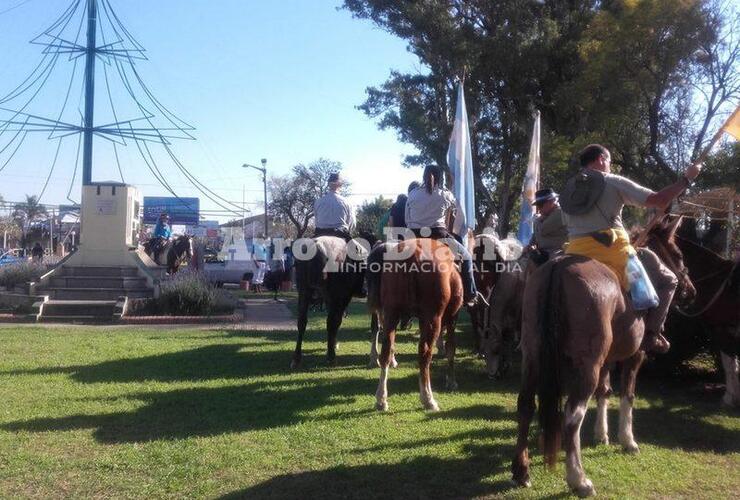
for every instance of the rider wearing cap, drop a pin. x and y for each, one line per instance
(549, 230)
(162, 234)
(593, 202)
(334, 216)
(429, 212)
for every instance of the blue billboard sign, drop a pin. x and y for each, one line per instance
(181, 210)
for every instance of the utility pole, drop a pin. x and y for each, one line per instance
(263, 170)
(92, 18)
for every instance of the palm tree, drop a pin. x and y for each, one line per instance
(26, 213)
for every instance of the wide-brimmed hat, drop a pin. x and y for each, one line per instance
(335, 178)
(544, 195)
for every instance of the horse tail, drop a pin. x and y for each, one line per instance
(374, 275)
(549, 388)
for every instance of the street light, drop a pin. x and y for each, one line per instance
(262, 169)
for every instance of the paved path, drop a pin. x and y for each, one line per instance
(266, 314)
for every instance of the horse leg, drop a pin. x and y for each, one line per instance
(603, 391)
(525, 407)
(374, 334)
(430, 331)
(450, 345)
(334, 316)
(630, 368)
(390, 322)
(575, 411)
(303, 303)
(731, 367)
(440, 343)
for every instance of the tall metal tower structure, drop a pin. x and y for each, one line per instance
(109, 42)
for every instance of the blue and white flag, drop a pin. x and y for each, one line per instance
(530, 185)
(460, 161)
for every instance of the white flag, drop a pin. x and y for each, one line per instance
(460, 161)
(530, 185)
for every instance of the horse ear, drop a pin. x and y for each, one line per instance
(674, 225)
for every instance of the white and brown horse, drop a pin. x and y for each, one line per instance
(175, 252)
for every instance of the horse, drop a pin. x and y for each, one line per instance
(580, 323)
(489, 255)
(176, 251)
(422, 281)
(503, 318)
(333, 270)
(717, 282)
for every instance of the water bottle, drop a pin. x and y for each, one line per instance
(641, 289)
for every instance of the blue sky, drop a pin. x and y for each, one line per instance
(278, 80)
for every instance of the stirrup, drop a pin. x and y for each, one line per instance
(478, 299)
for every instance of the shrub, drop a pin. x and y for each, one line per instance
(189, 293)
(19, 273)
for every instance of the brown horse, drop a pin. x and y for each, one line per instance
(422, 282)
(576, 323)
(717, 282)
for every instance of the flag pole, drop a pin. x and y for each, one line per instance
(700, 159)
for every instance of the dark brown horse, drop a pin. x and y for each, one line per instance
(175, 252)
(326, 267)
(576, 323)
(717, 305)
(422, 282)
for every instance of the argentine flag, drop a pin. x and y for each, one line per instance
(460, 161)
(530, 185)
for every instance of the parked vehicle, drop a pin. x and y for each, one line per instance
(219, 272)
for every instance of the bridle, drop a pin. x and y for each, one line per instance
(717, 294)
(679, 269)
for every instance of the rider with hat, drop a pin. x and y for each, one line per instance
(593, 201)
(429, 212)
(334, 216)
(549, 230)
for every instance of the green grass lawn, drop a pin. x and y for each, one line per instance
(168, 412)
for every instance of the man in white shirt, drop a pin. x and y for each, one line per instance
(334, 216)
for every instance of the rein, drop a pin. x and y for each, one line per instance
(714, 298)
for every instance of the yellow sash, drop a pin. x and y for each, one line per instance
(614, 256)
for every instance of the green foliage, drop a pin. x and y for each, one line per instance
(293, 195)
(370, 213)
(648, 78)
(189, 293)
(20, 273)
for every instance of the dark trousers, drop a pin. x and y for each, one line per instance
(329, 231)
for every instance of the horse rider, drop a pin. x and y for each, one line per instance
(162, 235)
(549, 230)
(334, 216)
(398, 209)
(429, 213)
(593, 201)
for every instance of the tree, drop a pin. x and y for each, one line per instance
(370, 213)
(294, 195)
(648, 78)
(26, 213)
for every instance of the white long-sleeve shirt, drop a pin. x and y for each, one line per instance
(333, 212)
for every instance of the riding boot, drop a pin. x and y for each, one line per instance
(655, 342)
(665, 283)
(471, 296)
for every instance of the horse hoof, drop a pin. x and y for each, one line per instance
(381, 406)
(374, 363)
(394, 363)
(295, 364)
(631, 448)
(431, 406)
(451, 385)
(585, 490)
(603, 440)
